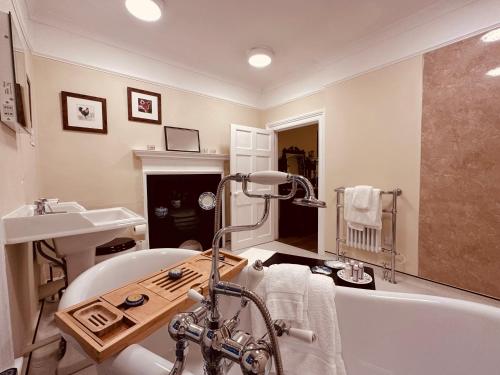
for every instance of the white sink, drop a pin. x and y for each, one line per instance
(76, 231)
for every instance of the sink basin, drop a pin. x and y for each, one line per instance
(75, 230)
(110, 216)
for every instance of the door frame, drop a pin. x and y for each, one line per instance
(299, 121)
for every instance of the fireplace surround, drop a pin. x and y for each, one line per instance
(177, 187)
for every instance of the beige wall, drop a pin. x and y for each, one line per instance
(19, 185)
(100, 170)
(373, 127)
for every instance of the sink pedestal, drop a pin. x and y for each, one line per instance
(79, 251)
(78, 262)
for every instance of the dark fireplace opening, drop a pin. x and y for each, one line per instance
(180, 210)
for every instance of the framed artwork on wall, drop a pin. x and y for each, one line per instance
(181, 139)
(144, 106)
(84, 113)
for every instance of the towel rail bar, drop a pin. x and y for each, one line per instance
(396, 191)
(384, 211)
(393, 212)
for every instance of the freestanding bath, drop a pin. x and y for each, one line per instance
(382, 333)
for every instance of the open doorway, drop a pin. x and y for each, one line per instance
(297, 150)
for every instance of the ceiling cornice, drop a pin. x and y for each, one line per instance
(443, 23)
(409, 38)
(73, 48)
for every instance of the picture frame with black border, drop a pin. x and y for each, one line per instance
(84, 113)
(182, 139)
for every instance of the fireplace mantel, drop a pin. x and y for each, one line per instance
(146, 154)
(186, 162)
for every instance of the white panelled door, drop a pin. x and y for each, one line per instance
(251, 151)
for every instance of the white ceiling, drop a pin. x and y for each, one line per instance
(211, 37)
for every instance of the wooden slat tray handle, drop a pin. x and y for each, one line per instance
(105, 325)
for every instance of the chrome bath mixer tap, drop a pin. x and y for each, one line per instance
(221, 343)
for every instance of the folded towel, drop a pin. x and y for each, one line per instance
(324, 356)
(286, 291)
(358, 219)
(361, 198)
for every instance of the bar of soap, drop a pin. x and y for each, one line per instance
(175, 274)
(134, 300)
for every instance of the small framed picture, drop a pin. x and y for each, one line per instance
(84, 113)
(180, 139)
(144, 106)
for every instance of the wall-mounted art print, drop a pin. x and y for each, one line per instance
(144, 106)
(84, 113)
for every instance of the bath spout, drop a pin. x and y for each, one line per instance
(309, 199)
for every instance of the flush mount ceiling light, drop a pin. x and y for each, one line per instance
(145, 10)
(260, 57)
(492, 36)
(494, 72)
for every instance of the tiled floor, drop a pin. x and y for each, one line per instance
(44, 361)
(309, 242)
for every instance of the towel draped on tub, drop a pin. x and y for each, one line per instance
(322, 357)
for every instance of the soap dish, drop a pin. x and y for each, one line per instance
(322, 270)
(99, 318)
(335, 264)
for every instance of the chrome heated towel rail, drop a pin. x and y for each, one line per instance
(393, 211)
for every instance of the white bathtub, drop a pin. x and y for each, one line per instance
(382, 333)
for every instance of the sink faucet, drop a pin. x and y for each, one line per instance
(42, 206)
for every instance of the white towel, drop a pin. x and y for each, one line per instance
(359, 219)
(324, 356)
(286, 291)
(361, 198)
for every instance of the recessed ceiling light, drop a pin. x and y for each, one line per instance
(145, 10)
(492, 36)
(260, 57)
(494, 72)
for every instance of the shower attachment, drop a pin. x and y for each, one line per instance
(222, 344)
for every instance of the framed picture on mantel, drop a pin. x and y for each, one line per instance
(181, 139)
(144, 106)
(84, 113)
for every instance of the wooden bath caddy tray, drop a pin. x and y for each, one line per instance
(105, 325)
